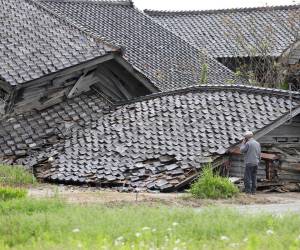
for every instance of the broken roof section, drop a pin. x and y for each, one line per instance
(236, 32)
(34, 43)
(154, 143)
(166, 59)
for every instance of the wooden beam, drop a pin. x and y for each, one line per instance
(69, 70)
(108, 85)
(83, 84)
(264, 156)
(105, 71)
(267, 129)
(277, 123)
(107, 91)
(141, 78)
(62, 79)
(5, 86)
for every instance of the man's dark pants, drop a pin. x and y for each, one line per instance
(250, 178)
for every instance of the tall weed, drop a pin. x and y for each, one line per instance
(210, 185)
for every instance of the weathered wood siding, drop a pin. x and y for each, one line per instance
(283, 141)
(288, 133)
(238, 167)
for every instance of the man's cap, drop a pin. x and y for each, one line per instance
(248, 134)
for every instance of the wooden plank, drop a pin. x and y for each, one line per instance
(105, 71)
(142, 79)
(264, 156)
(277, 123)
(107, 92)
(83, 84)
(60, 80)
(69, 70)
(105, 83)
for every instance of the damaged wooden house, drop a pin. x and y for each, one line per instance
(261, 43)
(127, 107)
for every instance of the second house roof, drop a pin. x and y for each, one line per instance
(167, 60)
(35, 43)
(236, 32)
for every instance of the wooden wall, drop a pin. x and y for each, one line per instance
(283, 141)
(111, 79)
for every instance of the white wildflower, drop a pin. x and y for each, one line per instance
(79, 245)
(223, 237)
(269, 232)
(146, 228)
(169, 229)
(298, 238)
(76, 230)
(175, 224)
(245, 239)
(234, 245)
(138, 234)
(119, 239)
(177, 241)
(153, 230)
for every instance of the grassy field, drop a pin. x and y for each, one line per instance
(15, 176)
(53, 224)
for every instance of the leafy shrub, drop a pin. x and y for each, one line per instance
(8, 193)
(15, 176)
(210, 185)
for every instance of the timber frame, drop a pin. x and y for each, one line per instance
(110, 75)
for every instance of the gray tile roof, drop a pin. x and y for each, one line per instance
(236, 32)
(34, 43)
(20, 134)
(166, 59)
(154, 143)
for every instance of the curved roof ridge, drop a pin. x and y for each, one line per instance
(103, 2)
(216, 11)
(220, 87)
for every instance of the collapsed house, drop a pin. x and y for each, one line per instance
(158, 142)
(93, 93)
(246, 36)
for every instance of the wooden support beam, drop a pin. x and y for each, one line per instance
(264, 156)
(104, 86)
(70, 70)
(141, 78)
(117, 83)
(277, 123)
(83, 84)
(106, 83)
(60, 80)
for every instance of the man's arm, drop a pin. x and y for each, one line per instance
(244, 147)
(259, 152)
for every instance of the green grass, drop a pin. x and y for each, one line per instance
(15, 176)
(213, 186)
(52, 224)
(8, 193)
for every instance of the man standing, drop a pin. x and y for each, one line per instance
(252, 153)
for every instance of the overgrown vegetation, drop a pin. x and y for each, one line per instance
(259, 67)
(49, 224)
(15, 176)
(210, 185)
(8, 193)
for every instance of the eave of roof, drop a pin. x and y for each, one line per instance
(100, 2)
(236, 33)
(216, 11)
(236, 87)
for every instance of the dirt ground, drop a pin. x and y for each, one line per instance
(84, 195)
